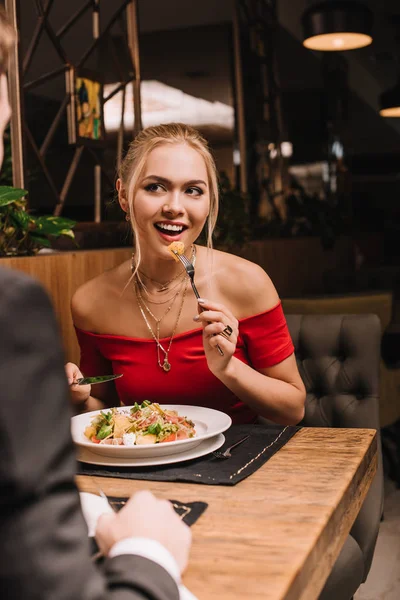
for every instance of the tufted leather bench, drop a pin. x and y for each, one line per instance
(338, 358)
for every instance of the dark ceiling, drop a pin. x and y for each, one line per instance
(371, 70)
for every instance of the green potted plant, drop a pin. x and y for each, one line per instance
(23, 234)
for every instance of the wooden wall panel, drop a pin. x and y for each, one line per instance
(296, 266)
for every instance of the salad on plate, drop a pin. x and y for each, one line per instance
(145, 423)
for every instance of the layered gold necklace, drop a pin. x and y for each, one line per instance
(163, 287)
(165, 365)
(183, 284)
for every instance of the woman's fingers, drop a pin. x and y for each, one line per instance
(72, 372)
(220, 309)
(218, 328)
(79, 393)
(212, 316)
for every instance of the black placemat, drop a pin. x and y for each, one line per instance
(263, 442)
(189, 512)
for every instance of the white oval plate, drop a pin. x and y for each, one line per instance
(205, 447)
(208, 423)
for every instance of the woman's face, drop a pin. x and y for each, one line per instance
(172, 201)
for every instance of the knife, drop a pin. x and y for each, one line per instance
(94, 380)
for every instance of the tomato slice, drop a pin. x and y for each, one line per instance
(95, 440)
(170, 438)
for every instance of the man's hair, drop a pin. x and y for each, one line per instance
(7, 36)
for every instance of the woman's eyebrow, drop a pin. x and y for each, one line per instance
(158, 177)
(194, 181)
(168, 181)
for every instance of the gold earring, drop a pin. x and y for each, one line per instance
(127, 217)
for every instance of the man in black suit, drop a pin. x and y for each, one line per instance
(44, 550)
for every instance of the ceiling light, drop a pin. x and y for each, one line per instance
(337, 25)
(390, 102)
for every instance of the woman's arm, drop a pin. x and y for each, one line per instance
(84, 309)
(274, 392)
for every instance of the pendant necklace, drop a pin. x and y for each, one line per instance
(165, 365)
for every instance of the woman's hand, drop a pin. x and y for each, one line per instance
(79, 393)
(220, 328)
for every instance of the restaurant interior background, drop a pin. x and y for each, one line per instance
(298, 130)
(309, 167)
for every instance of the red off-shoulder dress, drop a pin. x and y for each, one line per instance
(264, 341)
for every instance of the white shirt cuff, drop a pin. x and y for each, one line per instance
(156, 552)
(150, 549)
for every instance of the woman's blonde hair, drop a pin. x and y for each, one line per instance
(134, 163)
(7, 37)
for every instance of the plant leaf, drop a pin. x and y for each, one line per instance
(9, 194)
(40, 240)
(54, 226)
(20, 218)
(68, 233)
(60, 222)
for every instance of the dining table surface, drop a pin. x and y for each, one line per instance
(276, 534)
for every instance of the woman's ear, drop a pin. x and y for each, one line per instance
(122, 199)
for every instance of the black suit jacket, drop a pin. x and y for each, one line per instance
(44, 548)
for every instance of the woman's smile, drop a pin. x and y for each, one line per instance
(170, 230)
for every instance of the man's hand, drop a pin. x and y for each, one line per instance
(144, 515)
(79, 393)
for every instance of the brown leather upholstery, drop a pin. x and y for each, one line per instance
(338, 358)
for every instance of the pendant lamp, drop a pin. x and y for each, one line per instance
(337, 25)
(390, 102)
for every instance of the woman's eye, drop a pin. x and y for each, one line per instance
(153, 187)
(194, 191)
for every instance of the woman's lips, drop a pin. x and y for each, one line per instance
(173, 237)
(168, 235)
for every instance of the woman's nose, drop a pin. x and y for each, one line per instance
(173, 204)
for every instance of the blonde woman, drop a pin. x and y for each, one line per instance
(143, 320)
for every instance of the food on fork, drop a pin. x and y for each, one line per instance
(176, 248)
(144, 423)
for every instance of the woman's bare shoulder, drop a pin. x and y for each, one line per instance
(91, 301)
(244, 284)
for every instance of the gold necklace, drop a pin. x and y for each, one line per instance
(164, 286)
(143, 286)
(157, 320)
(166, 365)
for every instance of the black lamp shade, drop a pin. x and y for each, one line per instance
(390, 102)
(337, 25)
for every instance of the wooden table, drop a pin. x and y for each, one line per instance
(276, 534)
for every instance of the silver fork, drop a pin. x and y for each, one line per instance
(189, 268)
(227, 452)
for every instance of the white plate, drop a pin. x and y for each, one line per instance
(205, 447)
(208, 423)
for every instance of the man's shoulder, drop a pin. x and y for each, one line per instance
(13, 276)
(14, 282)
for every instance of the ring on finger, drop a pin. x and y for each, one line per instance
(227, 332)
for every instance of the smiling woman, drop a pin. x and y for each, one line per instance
(140, 320)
